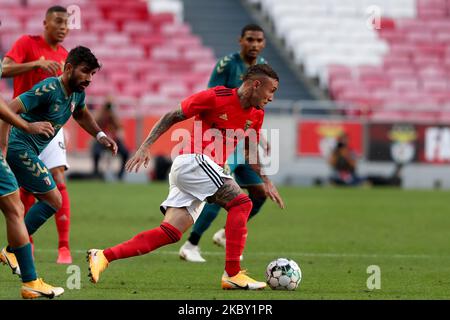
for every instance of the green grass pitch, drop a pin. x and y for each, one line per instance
(333, 234)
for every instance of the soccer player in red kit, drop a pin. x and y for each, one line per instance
(31, 60)
(197, 174)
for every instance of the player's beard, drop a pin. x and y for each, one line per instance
(74, 85)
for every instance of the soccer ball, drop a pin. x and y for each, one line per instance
(283, 274)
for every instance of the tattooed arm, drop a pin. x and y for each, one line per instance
(253, 159)
(163, 124)
(142, 155)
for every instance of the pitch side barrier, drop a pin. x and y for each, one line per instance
(400, 134)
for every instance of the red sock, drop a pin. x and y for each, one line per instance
(236, 232)
(27, 198)
(144, 242)
(62, 218)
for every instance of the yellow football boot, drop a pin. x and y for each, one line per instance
(10, 259)
(97, 264)
(241, 281)
(39, 289)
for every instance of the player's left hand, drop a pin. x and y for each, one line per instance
(273, 194)
(142, 156)
(109, 143)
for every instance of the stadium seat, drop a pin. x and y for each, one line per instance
(331, 41)
(139, 50)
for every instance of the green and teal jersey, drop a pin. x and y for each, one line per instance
(46, 101)
(229, 71)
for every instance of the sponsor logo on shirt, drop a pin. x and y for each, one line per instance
(47, 181)
(248, 123)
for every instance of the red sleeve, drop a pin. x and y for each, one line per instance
(18, 52)
(198, 103)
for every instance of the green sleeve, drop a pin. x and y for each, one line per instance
(219, 76)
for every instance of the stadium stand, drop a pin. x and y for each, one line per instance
(400, 58)
(219, 23)
(142, 53)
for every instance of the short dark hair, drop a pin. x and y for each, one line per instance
(82, 55)
(251, 27)
(55, 9)
(260, 70)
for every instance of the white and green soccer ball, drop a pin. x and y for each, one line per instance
(283, 274)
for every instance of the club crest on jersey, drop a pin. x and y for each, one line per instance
(223, 116)
(72, 107)
(47, 181)
(248, 123)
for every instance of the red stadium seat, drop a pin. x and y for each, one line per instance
(136, 89)
(100, 88)
(133, 28)
(141, 53)
(102, 27)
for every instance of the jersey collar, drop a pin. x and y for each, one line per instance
(62, 87)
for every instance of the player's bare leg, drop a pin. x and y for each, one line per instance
(257, 193)
(238, 205)
(176, 221)
(62, 217)
(28, 201)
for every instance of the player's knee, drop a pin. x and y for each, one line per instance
(58, 174)
(16, 212)
(55, 201)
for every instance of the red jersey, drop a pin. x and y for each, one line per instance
(30, 48)
(220, 122)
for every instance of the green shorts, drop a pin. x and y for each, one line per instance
(245, 176)
(30, 171)
(8, 182)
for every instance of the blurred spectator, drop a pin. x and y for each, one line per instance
(110, 124)
(161, 168)
(343, 162)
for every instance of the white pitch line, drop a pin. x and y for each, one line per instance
(292, 254)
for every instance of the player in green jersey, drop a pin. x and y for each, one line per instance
(12, 208)
(54, 100)
(228, 72)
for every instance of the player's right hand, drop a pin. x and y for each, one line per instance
(142, 156)
(50, 66)
(44, 128)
